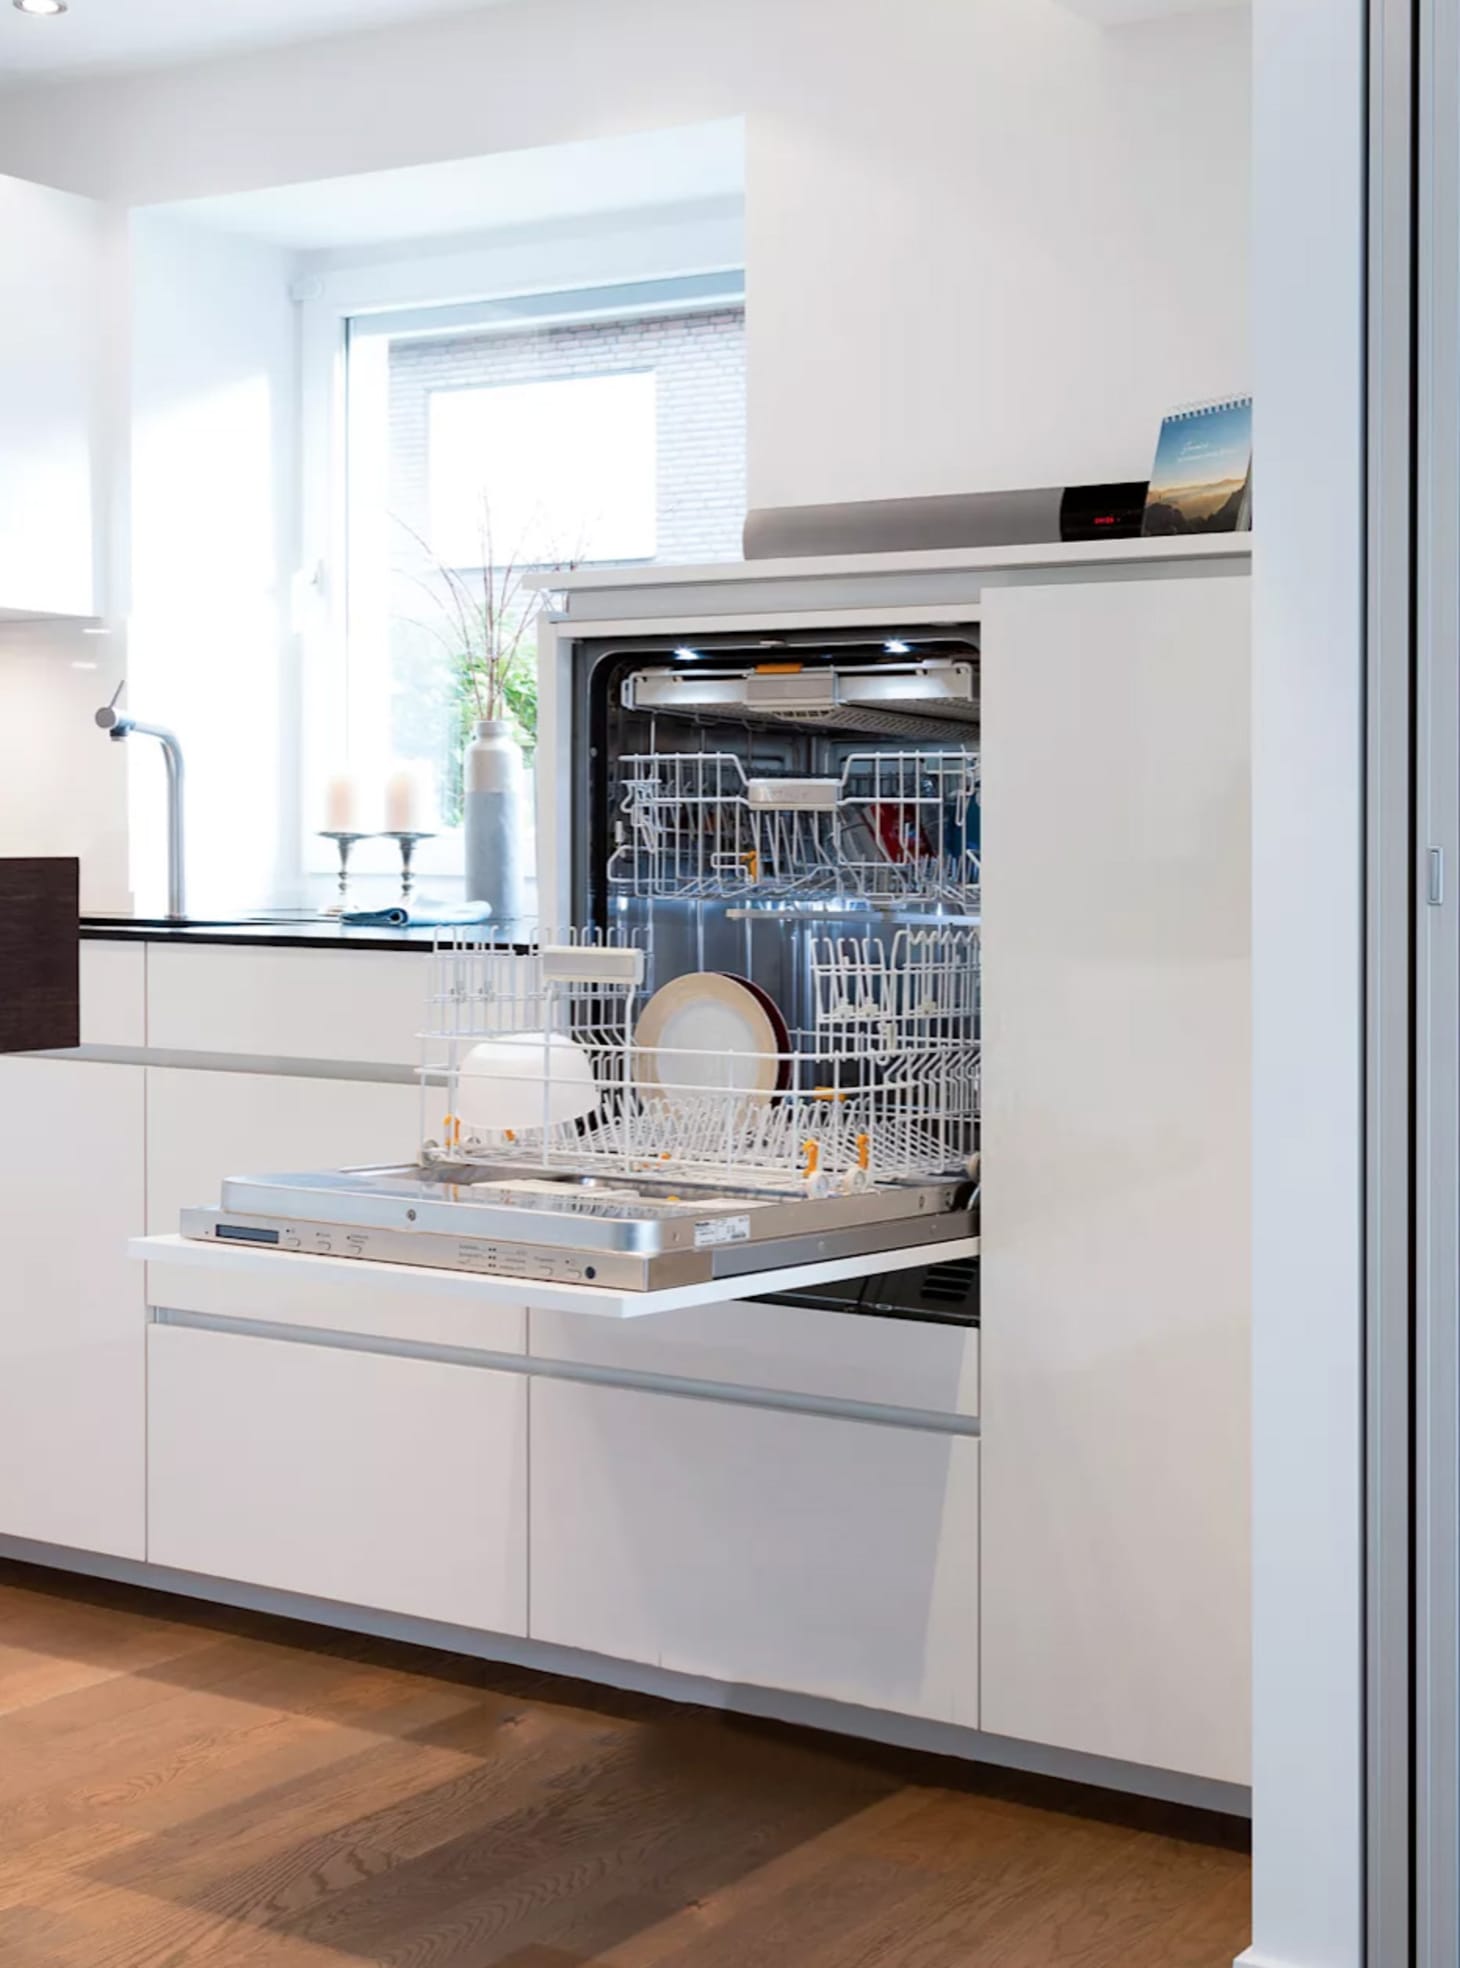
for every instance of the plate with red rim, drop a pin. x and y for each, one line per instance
(707, 1033)
(782, 1031)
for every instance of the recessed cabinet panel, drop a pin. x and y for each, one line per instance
(359, 1005)
(901, 1363)
(1116, 1240)
(371, 1479)
(72, 1305)
(828, 1557)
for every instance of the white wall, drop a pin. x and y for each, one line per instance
(63, 784)
(1308, 1017)
(987, 244)
(214, 543)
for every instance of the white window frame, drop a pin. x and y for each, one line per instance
(550, 274)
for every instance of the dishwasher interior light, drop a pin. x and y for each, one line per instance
(41, 6)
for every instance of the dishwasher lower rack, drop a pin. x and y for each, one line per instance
(880, 1087)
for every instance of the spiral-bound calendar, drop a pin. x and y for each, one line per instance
(1201, 481)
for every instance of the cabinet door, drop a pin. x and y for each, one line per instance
(829, 1557)
(72, 1305)
(372, 1479)
(1116, 1243)
(51, 272)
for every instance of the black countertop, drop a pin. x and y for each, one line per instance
(274, 932)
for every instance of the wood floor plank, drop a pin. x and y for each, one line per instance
(183, 1788)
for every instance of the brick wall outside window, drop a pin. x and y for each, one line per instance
(699, 360)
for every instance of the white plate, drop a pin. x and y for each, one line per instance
(707, 1032)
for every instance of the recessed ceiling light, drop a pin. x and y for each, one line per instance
(41, 6)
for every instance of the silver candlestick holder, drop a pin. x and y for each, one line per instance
(344, 842)
(407, 845)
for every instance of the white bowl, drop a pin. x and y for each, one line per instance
(525, 1080)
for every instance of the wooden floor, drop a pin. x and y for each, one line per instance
(183, 1785)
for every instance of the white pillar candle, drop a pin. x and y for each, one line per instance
(341, 804)
(408, 805)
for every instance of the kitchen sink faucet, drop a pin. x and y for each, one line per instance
(120, 726)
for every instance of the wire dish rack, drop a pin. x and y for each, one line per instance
(535, 1061)
(890, 827)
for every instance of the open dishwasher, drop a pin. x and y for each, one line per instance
(758, 1047)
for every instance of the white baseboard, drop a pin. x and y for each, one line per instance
(770, 1704)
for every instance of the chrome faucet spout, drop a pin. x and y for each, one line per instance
(118, 725)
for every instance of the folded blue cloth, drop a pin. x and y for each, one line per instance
(418, 915)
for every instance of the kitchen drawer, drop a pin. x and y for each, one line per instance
(825, 1556)
(359, 1005)
(377, 1481)
(790, 1349)
(113, 994)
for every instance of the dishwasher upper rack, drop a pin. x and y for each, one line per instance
(882, 1086)
(890, 827)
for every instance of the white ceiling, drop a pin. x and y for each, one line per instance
(512, 188)
(109, 34)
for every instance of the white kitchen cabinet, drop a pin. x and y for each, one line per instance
(72, 1306)
(113, 994)
(1116, 1244)
(52, 268)
(366, 1006)
(371, 1479)
(825, 1556)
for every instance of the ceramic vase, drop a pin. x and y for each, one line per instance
(496, 843)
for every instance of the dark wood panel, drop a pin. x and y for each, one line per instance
(183, 1784)
(40, 990)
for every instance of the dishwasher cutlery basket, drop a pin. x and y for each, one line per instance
(880, 1085)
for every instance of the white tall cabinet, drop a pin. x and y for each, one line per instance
(52, 268)
(1116, 1243)
(73, 1307)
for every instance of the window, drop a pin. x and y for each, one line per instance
(562, 469)
(484, 444)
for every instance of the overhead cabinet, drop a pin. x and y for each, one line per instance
(52, 307)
